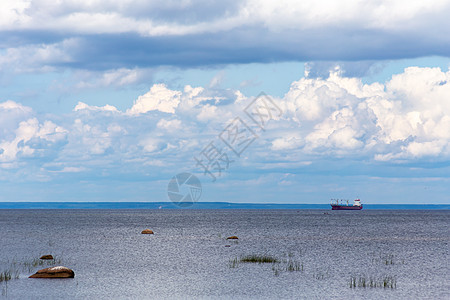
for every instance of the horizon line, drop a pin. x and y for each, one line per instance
(204, 205)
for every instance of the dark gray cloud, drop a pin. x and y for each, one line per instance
(203, 33)
(243, 45)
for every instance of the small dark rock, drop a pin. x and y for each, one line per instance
(48, 256)
(233, 237)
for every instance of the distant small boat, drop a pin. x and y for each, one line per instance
(337, 204)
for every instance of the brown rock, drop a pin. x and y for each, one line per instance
(54, 272)
(147, 231)
(233, 237)
(48, 256)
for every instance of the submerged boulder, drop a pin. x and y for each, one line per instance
(54, 272)
(147, 231)
(48, 256)
(233, 237)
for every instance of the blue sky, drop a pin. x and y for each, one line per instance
(108, 100)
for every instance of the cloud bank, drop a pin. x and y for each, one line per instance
(405, 119)
(39, 35)
(402, 121)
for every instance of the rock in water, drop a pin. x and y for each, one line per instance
(49, 256)
(54, 272)
(233, 237)
(147, 231)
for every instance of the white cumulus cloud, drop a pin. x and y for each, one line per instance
(158, 98)
(408, 116)
(404, 119)
(84, 106)
(28, 137)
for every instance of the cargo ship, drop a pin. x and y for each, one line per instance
(337, 204)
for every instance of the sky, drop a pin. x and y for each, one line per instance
(262, 101)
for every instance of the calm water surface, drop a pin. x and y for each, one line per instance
(187, 257)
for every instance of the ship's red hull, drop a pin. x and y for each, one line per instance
(345, 207)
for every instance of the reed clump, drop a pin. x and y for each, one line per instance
(7, 275)
(294, 266)
(278, 265)
(319, 276)
(287, 266)
(373, 282)
(260, 259)
(234, 263)
(387, 259)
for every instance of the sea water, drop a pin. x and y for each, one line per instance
(189, 257)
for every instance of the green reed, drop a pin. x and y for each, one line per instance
(278, 265)
(260, 259)
(9, 274)
(373, 282)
